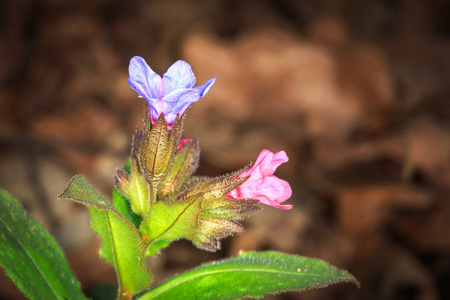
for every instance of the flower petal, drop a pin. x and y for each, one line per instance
(283, 207)
(267, 189)
(178, 76)
(143, 79)
(204, 89)
(270, 162)
(266, 164)
(177, 102)
(172, 94)
(274, 189)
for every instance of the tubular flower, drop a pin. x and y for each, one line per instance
(172, 94)
(262, 185)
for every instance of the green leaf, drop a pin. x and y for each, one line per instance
(122, 245)
(31, 257)
(79, 190)
(169, 222)
(123, 206)
(156, 246)
(251, 274)
(123, 249)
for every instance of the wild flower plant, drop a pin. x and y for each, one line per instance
(158, 199)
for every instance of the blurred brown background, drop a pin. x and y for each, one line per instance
(356, 92)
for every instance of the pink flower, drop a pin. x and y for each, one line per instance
(262, 184)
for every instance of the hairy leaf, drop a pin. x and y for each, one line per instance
(122, 248)
(79, 190)
(170, 222)
(251, 274)
(121, 243)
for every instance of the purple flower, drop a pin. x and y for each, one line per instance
(172, 94)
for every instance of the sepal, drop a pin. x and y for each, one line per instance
(136, 143)
(184, 164)
(211, 229)
(218, 220)
(157, 148)
(230, 208)
(212, 188)
(138, 136)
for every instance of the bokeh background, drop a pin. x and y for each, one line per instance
(357, 92)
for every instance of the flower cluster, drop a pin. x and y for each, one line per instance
(172, 94)
(158, 199)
